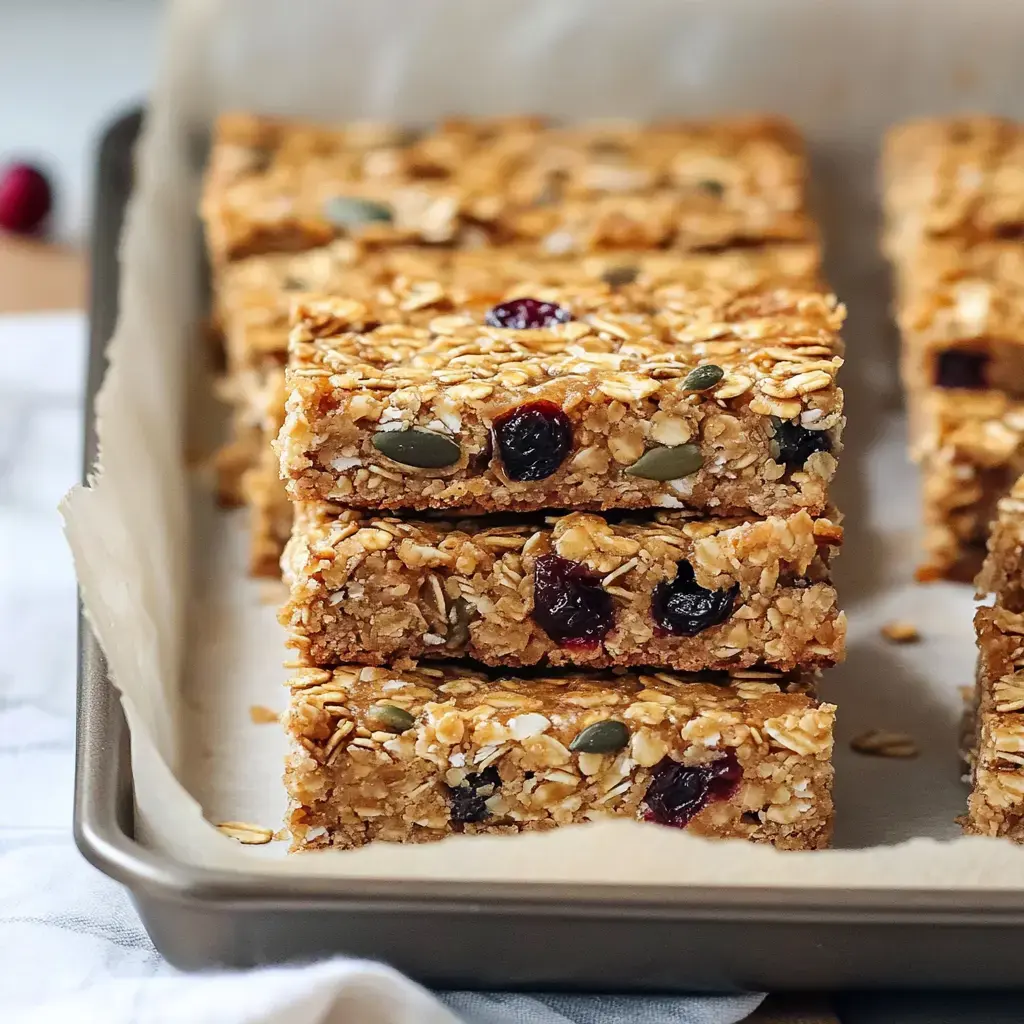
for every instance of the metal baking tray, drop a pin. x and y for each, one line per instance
(484, 935)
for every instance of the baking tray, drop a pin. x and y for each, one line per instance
(485, 935)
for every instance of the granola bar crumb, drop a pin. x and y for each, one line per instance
(260, 714)
(245, 833)
(901, 632)
(884, 743)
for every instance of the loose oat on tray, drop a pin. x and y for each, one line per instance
(577, 589)
(279, 186)
(587, 397)
(419, 754)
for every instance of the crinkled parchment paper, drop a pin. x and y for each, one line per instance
(192, 643)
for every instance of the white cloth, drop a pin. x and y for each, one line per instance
(72, 949)
(71, 946)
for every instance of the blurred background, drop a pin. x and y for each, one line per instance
(66, 67)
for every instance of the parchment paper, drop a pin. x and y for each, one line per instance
(192, 643)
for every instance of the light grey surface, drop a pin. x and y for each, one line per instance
(65, 66)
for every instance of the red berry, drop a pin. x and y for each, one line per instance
(678, 792)
(25, 198)
(527, 314)
(569, 603)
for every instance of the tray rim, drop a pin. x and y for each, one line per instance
(103, 801)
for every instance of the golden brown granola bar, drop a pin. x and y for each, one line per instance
(996, 803)
(585, 397)
(961, 315)
(277, 186)
(578, 589)
(255, 295)
(419, 754)
(953, 178)
(971, 448)
(1003, 571)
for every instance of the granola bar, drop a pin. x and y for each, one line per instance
(419, 754)
(953, 178)
(1003, 571)
(996, 804)
(961, 316)
(579, 589)
(255, 295)
(276, 186)
(586, 397)
(971, 449)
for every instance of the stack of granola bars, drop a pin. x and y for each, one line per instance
(556, 420)
(954, 198)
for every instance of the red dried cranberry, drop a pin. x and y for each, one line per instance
(469, 798)
(569, 603)
(797, 444)
(961, 370)
(25, 198)
(533, 440)
(683, 608)
(526, 314)
(678, 792)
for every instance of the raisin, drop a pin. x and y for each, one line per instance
(961, 370)
(533, 440)
(678, 792)
(569, 603)
(683, 608)
(527, 314)
(469, 798)
(796, 444)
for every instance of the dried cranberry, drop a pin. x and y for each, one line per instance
(569, 603)
(682, 607)
(797, 444)
(961, 370)
(469, 798)
(533, 440)
(526, 314)
(678, 792)
(25, 198)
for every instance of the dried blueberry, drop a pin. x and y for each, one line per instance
(961, 370)
(533, 440)
(569, 603)
(527, 314)
(678, 792)
(796, 444)
(683, 608)
(469, 798)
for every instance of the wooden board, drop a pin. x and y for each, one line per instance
(35, 276)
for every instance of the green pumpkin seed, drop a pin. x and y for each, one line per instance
(391, 717)
(620, 275)
(350, 211)
(711, 187)
(458, 623)
(668, 463)
(703, 377)
(604, 737)
(423, 449)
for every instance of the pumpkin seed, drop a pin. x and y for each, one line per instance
(703, 377)
(458, 623)
(423, 449)
(391, 717)
(620, 275)
(712, 187)
(604, 737)
(350, 211)
(668, 463)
